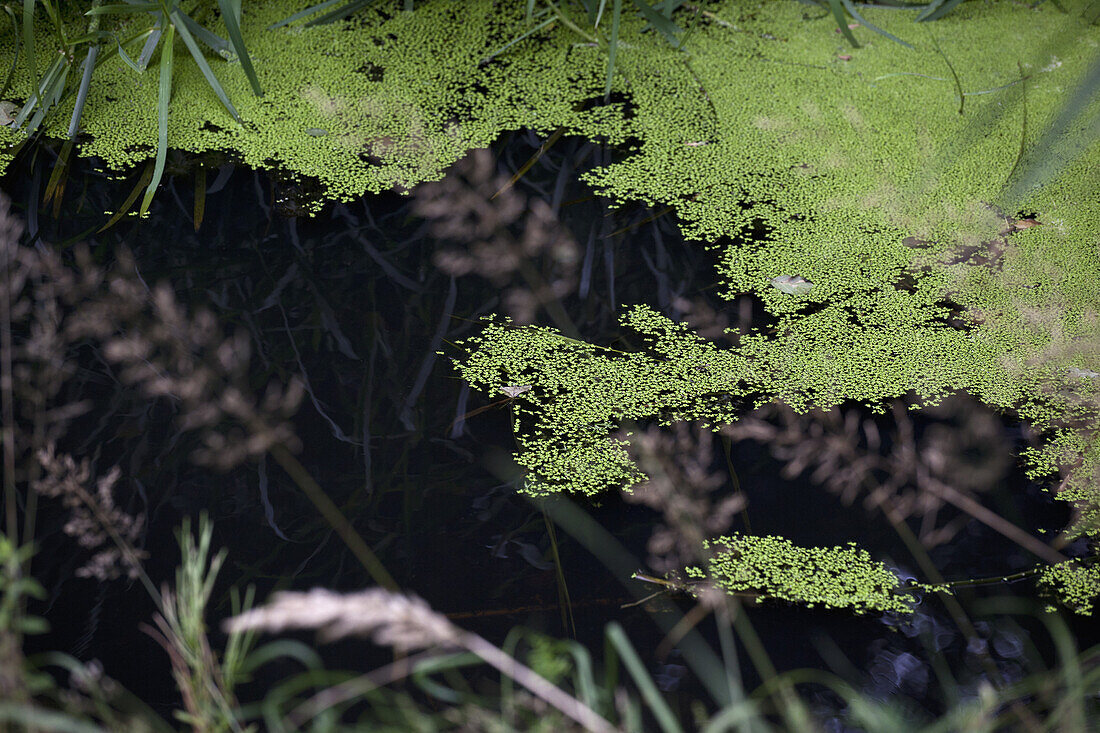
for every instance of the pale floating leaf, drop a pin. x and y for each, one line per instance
(1083, 373)
(514, 391)
(8, 111)
(792, 284)
(316, 132)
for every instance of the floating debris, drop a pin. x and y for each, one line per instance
(8, 112)
(513, 392)
(792, 284)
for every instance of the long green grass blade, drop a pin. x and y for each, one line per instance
(652, 696)
(441, 664)
(584, 680)
(82, 91)
(664, 26)
(55, 187)
(940, 10)
(519, 38)
(180, 25)
(340, 13)
(613, 44)
(951, 68)
(1023, 123)
(595, 19)
(216, 43)
(851, 8)
(231, 13)
(929, 9)
(164, 95)
(151, 44)
(737, 716)
(124, 9)
(39, 103)
(28, 43)
(127, 60)
(303, 14)
(842, 22)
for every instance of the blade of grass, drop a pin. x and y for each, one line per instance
(231, 13)
(1045, 165)
(950, 66)
(1023, 123)
(151, 44)
(55, 187)
(28, 43)
(613, 45)
(597, 540)
(533, 159)
(652, 696)
(334, 517)
(520, 37)
(179, 22)
(340, 13)
(124, 9)
(82, 92)
(598, 16)
(664, 26)
(51, 96)
(216, 43)
(851, 8)
(929, 9)
(127, 60)
(164, 95)
(842, 22)
(939, 11)
(38, 94)
(303, 13)
(565, 604)
(200, 195)
(1091, 13)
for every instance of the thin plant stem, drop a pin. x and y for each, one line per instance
(333, 516)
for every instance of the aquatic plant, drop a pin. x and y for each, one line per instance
(1075, 583)
(774, 568)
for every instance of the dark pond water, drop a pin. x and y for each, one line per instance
(357, 300)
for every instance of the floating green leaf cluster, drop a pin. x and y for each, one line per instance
(773, 568)
(1075, 584)
(580, 393)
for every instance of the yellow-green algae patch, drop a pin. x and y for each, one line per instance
(772, 568)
